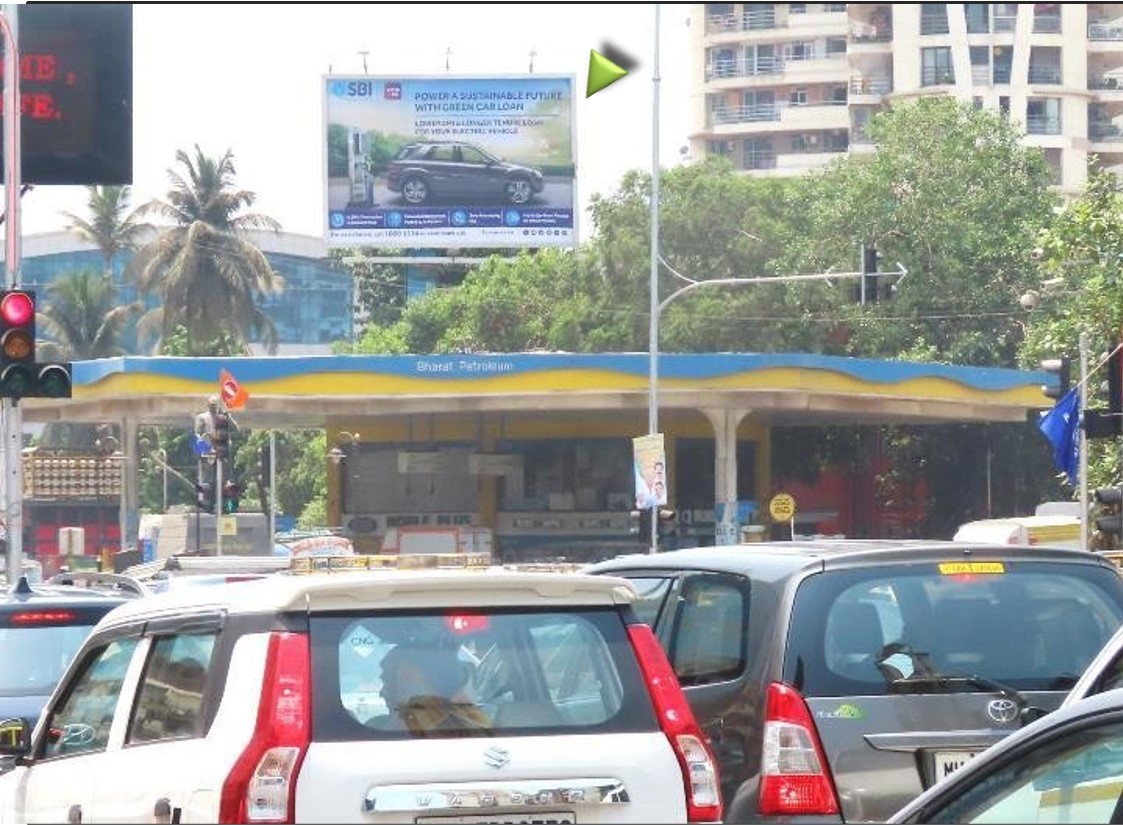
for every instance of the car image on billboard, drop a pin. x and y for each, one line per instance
(450, 162)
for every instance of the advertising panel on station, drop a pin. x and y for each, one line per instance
(448, 162)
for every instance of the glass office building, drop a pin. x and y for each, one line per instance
(314, 309)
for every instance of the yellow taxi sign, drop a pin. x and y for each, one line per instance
(393, 561)
(955, 568)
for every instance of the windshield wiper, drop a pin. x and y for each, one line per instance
(1027, 712)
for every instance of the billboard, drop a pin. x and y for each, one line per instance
(450, 162)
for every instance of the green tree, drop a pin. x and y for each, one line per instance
(109, 224)
(952, 194)
(83, 319)
(1080, 255)
(209, 275)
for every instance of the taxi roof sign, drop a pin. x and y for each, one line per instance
(390, 561)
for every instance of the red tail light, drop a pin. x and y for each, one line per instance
(261, 786)
(794, 779)
(32, 617)
(699, 770)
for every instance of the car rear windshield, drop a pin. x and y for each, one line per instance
(483, 673)
(1027, 625)
(35, 656)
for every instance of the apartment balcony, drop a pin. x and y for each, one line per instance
(754, 20)
(1104, 131)
(779, 117)
(1110, 31)
(1043, 125)
(1047, 24)
(934, 25)
(1045, 75)
(864, 34)
(872, 86)
(1003, 23)
(1105, 82)
(933, 76)
(739, 69)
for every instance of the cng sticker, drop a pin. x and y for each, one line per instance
(954, 568)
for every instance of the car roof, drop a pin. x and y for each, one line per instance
(24, 593)
(780, 558)
(388, 589)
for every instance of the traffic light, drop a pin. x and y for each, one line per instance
(869, 275)
(1062, 368)
(220, 442)
(20, 375)
(204, 496)
(17, 343)
(1110, 523)
(231, 497)
(640, 525)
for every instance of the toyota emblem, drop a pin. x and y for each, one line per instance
(1002, 711)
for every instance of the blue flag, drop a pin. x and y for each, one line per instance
(202, 446)
(1061, 425)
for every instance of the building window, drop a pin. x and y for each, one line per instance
(838, 95)
(976, 103)
(978, 18)
(1045, 65)
(797, 97)
(936, 67)
(1046, 18)
(801, 50)
(722, 148)
(836, 46)
(757, 153)
(797, 8)
(933, 18)
(1043, 116)
(1003, 63)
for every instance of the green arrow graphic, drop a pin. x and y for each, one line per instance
(602, 72)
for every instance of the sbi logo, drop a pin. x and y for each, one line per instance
(337, 220)
(358, 88)
(512, 217)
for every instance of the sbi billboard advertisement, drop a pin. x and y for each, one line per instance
(450, 162)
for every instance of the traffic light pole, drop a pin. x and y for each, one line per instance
(1083, 436)
(218, 506)
(12, 423)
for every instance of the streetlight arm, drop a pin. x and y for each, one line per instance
(768, 279)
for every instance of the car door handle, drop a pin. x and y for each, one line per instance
(74, 815)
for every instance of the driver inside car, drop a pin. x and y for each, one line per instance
(427, 688)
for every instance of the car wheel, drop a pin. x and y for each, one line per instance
(415, 190)
(518, 190)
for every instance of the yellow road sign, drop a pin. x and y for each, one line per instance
(781, 507)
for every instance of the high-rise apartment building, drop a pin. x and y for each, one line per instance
(784, 88)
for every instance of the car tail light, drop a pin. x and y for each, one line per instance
(676, 719)
(794, 779)
(38, 617)
(261, 786)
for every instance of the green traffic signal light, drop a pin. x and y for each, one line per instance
(54, 381)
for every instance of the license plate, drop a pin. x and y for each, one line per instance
(536, 818)
(948, 762)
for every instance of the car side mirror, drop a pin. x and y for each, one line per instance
(15, 737)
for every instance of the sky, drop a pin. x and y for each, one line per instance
(249, 78)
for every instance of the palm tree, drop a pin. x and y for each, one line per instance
(208, 274)
(83, 318)
(108, 226)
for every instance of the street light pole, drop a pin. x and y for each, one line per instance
(653, 325)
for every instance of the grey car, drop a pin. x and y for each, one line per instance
(450, 170)
(838, 679)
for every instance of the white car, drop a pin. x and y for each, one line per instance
(428, 696)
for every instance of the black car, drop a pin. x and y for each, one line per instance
(458, 171)
(837, 679)
(42, 625)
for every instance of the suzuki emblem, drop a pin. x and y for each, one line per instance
(1002, 710)
(496, 757)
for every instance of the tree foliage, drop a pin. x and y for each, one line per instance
(83, 318)
(209, 276)
(1080, 258)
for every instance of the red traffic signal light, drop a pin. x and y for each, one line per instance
(17, 326)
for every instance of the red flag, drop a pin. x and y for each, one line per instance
(234, 395)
